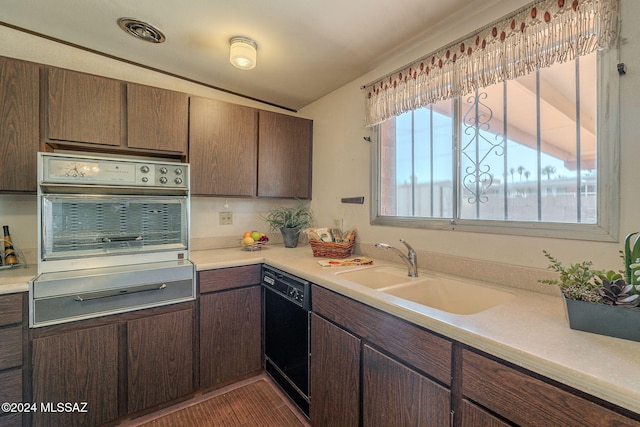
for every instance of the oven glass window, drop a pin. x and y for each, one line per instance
(75, 226)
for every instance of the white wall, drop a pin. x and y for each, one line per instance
(339, 146)
(342, 158)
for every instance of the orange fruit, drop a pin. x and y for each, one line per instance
(246, 234)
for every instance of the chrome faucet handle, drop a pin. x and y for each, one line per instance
(410, 259)
(413, 259)
(407, 245)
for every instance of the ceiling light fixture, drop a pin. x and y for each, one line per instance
(142, 30)
(243, 52)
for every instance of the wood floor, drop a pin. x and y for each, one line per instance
(256, 402)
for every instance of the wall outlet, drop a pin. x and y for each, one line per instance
(226, 218)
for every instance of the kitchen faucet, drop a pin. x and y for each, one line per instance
(410, 259)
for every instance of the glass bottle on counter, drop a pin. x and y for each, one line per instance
(9, 252)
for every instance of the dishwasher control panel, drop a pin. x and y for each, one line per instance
(291, 287)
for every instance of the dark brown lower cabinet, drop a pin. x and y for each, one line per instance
(79, 366)
(393, 394)
(160, 358)
(11, 348)
(360, 367)
(230, 335)
(11, 391)
(118, 365)
(12, 326)
(334, 376)
(11, 420)
(473, 416)
(525, 400)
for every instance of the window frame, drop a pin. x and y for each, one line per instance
(608, 161)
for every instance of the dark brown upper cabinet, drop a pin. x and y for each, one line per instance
(236, 150)
(157, 119)
(284, 156)
(86, 109)
(19, 136)
(83, 108)
(223, 148)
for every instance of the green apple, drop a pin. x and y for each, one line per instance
(255, 235)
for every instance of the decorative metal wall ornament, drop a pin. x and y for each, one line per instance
(477, 124)
(536, 36)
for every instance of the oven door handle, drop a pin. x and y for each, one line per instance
(121, 239)
(119, 292)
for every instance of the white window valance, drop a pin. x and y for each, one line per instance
(534, 37)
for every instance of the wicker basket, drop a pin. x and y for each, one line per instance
(330, 249)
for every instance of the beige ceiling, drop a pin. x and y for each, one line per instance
(306, 49)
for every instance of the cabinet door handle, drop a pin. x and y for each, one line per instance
(119, 292)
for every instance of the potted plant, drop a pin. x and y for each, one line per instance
(290, 221)
(602, 302)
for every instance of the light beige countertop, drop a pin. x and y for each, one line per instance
(530, 330)
(16, 279)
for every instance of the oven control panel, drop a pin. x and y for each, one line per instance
(80, 169)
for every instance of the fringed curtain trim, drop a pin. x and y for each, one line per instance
(546, 32)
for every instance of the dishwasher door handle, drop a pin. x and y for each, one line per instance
(119, 292)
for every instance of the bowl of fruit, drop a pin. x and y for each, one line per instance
(253, 240)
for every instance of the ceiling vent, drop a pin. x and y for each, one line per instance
(141, 30)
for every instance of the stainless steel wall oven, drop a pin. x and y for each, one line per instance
(113, 236)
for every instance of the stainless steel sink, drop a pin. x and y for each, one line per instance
(442, 293)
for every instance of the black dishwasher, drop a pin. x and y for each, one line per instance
(287, 303)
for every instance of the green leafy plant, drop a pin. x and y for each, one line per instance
(581, 282)
(577, 281)
(284, 217)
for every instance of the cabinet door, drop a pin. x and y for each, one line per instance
(230, 335)
(425, 351)
(223, 148)
(284, 153)
(335, 375)
(222, 279)
(11, 309)
(11, 336)
(525, 400)
(160, 358)
(11, 391)
(157, 119)
(393, 394)
(473, 416)
(77, 367)
(83, 108)
(11, 348)
(19, 136)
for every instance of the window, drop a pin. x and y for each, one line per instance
(523, 152)
(528, 150)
